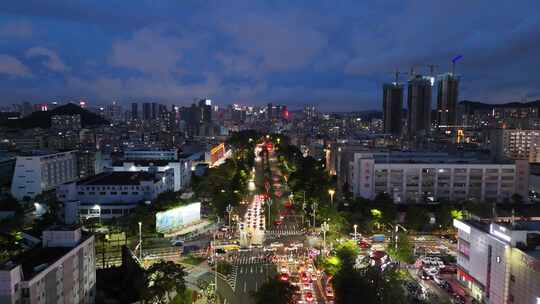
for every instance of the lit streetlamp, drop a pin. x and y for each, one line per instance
(324, 228)
(140, 242)
(355, 226)
(331, 192)
(229, 210)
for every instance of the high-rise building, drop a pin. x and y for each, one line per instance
(418, 107)
(310, 112)
(134, 110)
(37, 173)
(447, 99)
(147, 111)
(514, 144)
(60, 270)
(154, 110)
(392, 108)
(162, 109)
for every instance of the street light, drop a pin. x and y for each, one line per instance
(324, 227)
(140, 242)
(355, 226)
(314, 207)
(98, 208)
(229, 210)
(331, 192)
(269, 204)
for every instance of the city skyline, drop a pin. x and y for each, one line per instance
(279, 52)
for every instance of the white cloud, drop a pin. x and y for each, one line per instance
(52, 62)
(11, 66)
(281, 43)
(16, 29)
(150, 51)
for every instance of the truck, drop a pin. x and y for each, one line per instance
(378, 238)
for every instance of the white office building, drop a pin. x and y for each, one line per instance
(421, 177)
(499, 263)
(114, 194)
(37, 173)
(61, 270)
(181, 169)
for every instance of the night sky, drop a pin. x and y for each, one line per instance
(333, 53)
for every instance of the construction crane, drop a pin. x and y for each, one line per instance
(454, 60)
(396, 75)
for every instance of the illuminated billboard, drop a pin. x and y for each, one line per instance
(177, 217)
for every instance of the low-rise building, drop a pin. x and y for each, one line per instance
(151, 154)
(41, 172)
(421, 177)
(61, 270)
(499, 263)
(113, 194)
(181, 169)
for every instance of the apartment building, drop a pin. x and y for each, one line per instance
(60, 271)
(515, 144)
(499, 263)
(113, 194)
(41, 172)
(421, 177)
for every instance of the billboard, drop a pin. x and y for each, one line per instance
(177, 217)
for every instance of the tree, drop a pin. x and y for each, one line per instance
(416, 218)
(517, 199)
(401, 250)
(163, 278)
(275, 291)
(444, 215)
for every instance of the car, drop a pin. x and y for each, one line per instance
(309, 296)
(177, 243)
(284, 277)
(278, 223)
(304, 277)
(329, 292)
(424, 275)
(270, 249)
(364, 245)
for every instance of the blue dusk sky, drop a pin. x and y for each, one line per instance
(333, 53)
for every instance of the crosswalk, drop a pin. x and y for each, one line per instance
(280, 232)
(231, 279)
(241, 259)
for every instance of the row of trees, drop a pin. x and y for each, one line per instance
(227, 184)
(371, 284)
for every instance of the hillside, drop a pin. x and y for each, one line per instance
(474, 105)
(43, 119)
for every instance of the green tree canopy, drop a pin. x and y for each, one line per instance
(275, 291)
(162, 279)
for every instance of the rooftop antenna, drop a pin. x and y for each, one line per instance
(454, 60)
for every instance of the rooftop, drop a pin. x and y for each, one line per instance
(37, 259)
(119, 178)
(429, 158)
(144, 162)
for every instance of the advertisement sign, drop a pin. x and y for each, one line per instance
(177, 217)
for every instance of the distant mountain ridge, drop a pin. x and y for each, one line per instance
(482, 105)
(42, 119)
